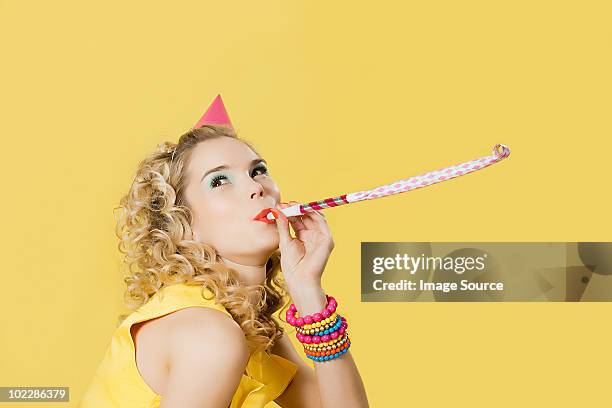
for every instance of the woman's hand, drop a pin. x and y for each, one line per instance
(304, 257)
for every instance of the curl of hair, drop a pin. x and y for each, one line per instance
(156, 239)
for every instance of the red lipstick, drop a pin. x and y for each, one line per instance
(263, 215)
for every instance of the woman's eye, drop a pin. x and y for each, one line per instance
(215, 180)
(263, 169)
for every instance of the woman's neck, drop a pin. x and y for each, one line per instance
(249, 274)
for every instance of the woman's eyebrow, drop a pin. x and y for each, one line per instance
(225, 166)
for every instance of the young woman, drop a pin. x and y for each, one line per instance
(204, 283)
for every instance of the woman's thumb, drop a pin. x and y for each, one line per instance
(282, 225)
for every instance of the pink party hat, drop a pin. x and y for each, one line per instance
(215, 115)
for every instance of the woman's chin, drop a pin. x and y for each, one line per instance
(266, 238)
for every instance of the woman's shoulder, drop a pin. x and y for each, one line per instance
(171, 332)
(197, 329)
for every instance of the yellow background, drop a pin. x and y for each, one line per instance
(338, 97)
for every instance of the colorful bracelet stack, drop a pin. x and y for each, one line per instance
(323, 335)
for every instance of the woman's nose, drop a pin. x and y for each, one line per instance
(257, 189)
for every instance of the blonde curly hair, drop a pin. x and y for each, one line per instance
(154, 228)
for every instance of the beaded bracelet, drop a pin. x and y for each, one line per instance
(324, 334)
(329, 345)
(319, 327)
(325, 323)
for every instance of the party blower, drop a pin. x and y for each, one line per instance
(500, 152)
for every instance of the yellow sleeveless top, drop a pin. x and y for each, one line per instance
(118, 383)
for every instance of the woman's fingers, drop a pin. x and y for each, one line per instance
(315, 220)
(296, 221)
(312, 220)
(283, 229)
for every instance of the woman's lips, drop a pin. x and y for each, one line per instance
(263, 215)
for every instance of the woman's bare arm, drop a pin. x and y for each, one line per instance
(207, 355)
(303, 260)
(303, 391)
(340, 383)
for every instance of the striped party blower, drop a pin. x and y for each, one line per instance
(500, 152)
